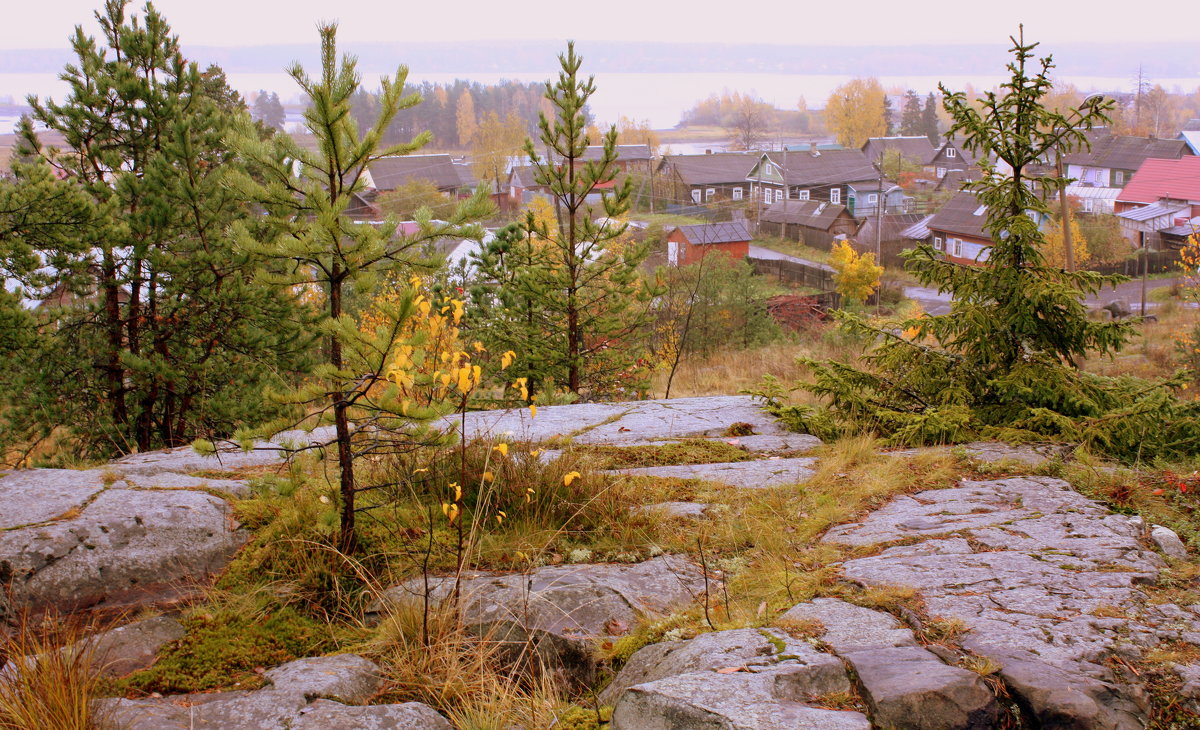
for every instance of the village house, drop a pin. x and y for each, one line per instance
(389, 173)
(1113, 159)
(704, 179)
(814, 222)
(634, 158)
(1162, 194)
(689, 244)
(957, 230)
(916, 150)
(832, 176)
(949, 156)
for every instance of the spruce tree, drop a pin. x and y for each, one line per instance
(168, 335)
(582, 298)
(1002, 363)
(929, 120)
(305, 194)
(910, 115)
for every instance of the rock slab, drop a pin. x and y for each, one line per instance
(746, 474)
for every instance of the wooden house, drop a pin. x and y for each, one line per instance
(689, 244)
(1113, 159)
(815, 222)
(389, 173)
(705, 179)
(829, 176)
(957, 229)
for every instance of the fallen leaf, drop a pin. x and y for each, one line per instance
(762, 609)
(730, 670)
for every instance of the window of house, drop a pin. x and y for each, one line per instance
(778, 195)
(803, 195)
(937, 242)
(957, 246)
(709, 193)
(695, 196)
(1088, 205)
(951, 152)
(766, 196)
(941, 173)
(835, 195)
(737, 193)
(873, 198)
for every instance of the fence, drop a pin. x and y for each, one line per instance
(1156, 262)
(791, 272)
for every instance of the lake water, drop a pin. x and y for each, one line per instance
(659, 97)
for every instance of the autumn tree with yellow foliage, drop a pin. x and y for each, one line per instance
(1054, 252)
(857, 274)
(855, 112)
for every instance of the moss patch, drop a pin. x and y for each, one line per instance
(690, 451)
(225, 651)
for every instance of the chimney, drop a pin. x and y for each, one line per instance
(708, 152)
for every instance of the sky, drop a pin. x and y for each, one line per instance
(48, 24)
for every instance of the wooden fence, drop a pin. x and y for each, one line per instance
(792, 272)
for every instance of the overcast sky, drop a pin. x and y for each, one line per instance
(48, 24)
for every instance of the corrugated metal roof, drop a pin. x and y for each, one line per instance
(730, 232)
(1150, 212)
(918, 231)
(1090, 193)
(1192, 138)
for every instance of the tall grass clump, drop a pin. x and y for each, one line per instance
(49, 677)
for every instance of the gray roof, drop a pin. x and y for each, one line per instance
(918, 231)
(1121, 152)
(625, 152)
(390, 173)
(830, 167)
(731, 232)
(894, 227)
(963, 215)
(1152, 211)
(715, 169)
(808, 213)
(918, 149)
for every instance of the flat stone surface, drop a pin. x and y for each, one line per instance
(37, 495)
(850, 628)
(746, 474)
(626, 423)
(692, 510)
(1028, 564)
(994, 452)
(171, 480)
(133, 647)
(712, 701)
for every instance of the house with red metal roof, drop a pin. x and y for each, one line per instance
(1163, 194)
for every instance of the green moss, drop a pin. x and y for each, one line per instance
(690, 451)
(584, 718)
(224, 651)
(774, 640)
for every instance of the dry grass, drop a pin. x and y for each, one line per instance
(46, 687)
(731, 372)
(1152, 353)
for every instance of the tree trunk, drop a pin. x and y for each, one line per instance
(347, 540)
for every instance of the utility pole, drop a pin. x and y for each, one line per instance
(1065, 213)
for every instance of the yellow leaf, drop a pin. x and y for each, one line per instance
(532, 411)
(446, 508)
(570, 477)
(507, 359)
(420, 471)
(457, 491)
(502, 448)
(488, 476)
(479, 346)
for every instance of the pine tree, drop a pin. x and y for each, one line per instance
(578, 278)
(306, 193)
(168, 334)
(1001, 364)
(889, 116)
(929, 120)
(269, 110)
(910, 115)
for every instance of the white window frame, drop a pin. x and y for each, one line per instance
(737, 193)
(1089, 205)
(709, 193)
(873, 199)
(696, 196)
(778, 195)
(951, 152)
(941, 173)
(835, 196)
(766, 194)
(937, 243)
(803, 195)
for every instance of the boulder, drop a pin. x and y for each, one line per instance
(1169, 542)
(124, 546)
(909, 688)
(561, 610)
(749, 474)
(134, 647)
(326, 715)
(847, 628)
(810, 673)
(347, 678)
